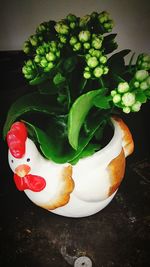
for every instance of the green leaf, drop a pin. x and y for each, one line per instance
(54, 145)
(46, 142)
(102, 102)
(116, 62)
(59, 79)
(89, 150)
(109, 44)
(33, 102)
(77, 115)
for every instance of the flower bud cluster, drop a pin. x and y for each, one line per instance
(83, 36)
(44, 33)
(47, 55)
(45, 27)
(143, 62)
(65, 27)
(99, 21)
(126, 95)
(90, 46)
(32, 43)
(30, 70)
(105, 21)
(95, 64)
(141, 80)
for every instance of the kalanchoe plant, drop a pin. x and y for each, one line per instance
(77, 85)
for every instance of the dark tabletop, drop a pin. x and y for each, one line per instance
(117, 236)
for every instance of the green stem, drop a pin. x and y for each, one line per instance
(101, 82)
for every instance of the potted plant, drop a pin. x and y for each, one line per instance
(55, 132)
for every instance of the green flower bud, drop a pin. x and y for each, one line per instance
(91, 51)
(86, 45)
(63, 39)
(123, 87)
(24, 70)
(92, 62)
(136, 107)
(103, 59)
(26, 50)
(72, 25)
(103, 17)
(84, 36)
(26, 47)
(87, 56)
(98, 71)
(105, 70)
(57, 54)
(77, 47)
(41, 28)
(33, 40)
(144, 85)
(97, 53)
(97, 43)
(43, 63)
(136, 84)
(37, 59)
(128, 99)
(73, 40)
(126, 110)
(50, 56)
(29, 63)
(116, 98)
(62, 28)
(84, 21)
(141, 75)
(108, 25)
(28, 77)
(49, 66)
(53, 44)
(87, 69)
(71, 18)
(40, 50)
(87, 75)
(113, 93)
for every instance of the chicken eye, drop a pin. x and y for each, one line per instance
(12, 161)
(28, 159)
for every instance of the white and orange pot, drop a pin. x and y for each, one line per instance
(69, 190)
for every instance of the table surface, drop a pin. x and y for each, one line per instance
(117, 236)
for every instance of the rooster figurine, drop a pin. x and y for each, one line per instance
(70, 190)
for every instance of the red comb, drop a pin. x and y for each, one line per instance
(16, 138)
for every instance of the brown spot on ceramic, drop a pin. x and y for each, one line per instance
(116, 170)
(128, 143)
(63, 194)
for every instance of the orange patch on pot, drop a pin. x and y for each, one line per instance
(128, 144)
(63, 195)
(116, 170)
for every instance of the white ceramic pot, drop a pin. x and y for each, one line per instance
(73, 191)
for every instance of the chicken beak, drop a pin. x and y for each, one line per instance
(22, 170)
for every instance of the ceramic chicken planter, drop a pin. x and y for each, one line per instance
(76, 190)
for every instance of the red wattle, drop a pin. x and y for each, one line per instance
(34, 183)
